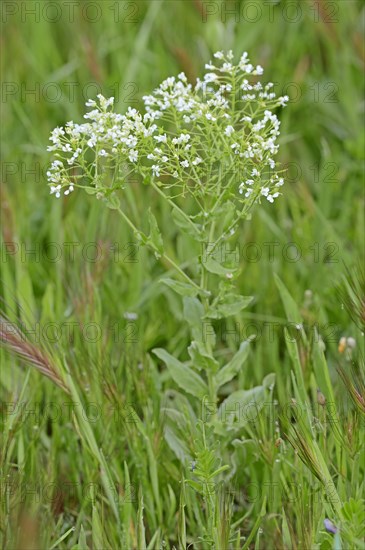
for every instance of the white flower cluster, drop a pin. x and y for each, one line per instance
(108, 134)
(185, 136)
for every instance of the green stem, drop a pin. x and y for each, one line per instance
(205, 300)
(171, 203)
(232, 226)
(165, 256)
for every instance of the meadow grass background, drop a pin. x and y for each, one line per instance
(314, 52)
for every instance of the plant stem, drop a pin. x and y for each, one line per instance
(205, 300)
(163, 255)
(171, 203)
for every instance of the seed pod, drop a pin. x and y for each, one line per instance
(320, 398)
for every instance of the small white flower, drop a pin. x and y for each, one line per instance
(184, 164)
(283, 100)
(131, 316)
(227, 68)
(55, 189)
(183, 138)
(246, 86)
(229, 130)
(91, 142)
(161, 139)
(210, 77)
(156, 170)
(133, 155)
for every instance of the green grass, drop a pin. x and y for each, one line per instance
(109, 465)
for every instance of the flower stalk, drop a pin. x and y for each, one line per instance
(208, 150)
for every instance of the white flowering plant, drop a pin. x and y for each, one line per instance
(185, 133)
(209, 151)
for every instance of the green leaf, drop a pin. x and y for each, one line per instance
(153, 541)
(185, 377)
(197, 486)
(184, 289)
(321, 370)
(155, 236)
(291, 308)
(91, 190)
(232, 305)
(194, 313)
(219, 471)
(241, 406)
(127, 506)
(227, 212)
(182, 519)
(200, 357)
(177, 444)
(354, 513)
(112, 201)
(293, 350)
(255, 527)
(25, 293)
(215, 267)
(82, 544)
(97, 530)
(141, 533)
(187, 226)
(269, 380)
(201, 329)
(235, 364)
(287, 542)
